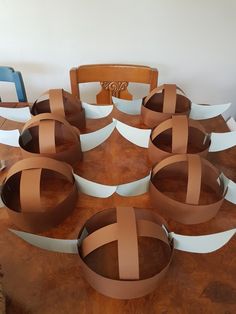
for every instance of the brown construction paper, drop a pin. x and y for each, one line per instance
(177, 135)
(195, 176)
(115, 254)
(27, 189)
(63, 104)
(49, 135)
(163, 102)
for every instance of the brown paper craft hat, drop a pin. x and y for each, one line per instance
(26, 190)
(51, 136)
(178, 135)
(125, 252)
(163, 102)
(63, 104)
(203, 190)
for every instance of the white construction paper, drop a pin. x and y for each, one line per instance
(139, 137)
(231, 124)
(231, 189)
(202, 244)
(93, 139)
(96, 111)
(50, 244)
(94, 189)
(221, 141)
(16, 114)
(134, 188)
(132, 107)
(201, 112)
(10, 138)
(103, 191)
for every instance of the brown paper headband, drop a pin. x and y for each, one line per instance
(63, 104)
(116, 247)
(191, 173)
(49, 135)
(25, 189)
(163, 102)
(178, 135)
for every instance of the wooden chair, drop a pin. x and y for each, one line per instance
(8, 74)
(113, 78)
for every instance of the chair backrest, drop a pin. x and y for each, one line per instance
(8, 74)
(113, 78)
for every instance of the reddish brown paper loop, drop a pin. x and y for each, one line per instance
(177, 135)
(32, 202)
(163, 102)
(63, 104)
(200, 191)
(50, 136)
(115, 241)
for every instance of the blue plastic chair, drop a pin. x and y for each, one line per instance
(8, 74)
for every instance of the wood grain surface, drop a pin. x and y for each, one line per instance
(37, 281)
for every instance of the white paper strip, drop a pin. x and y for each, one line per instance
(136, 136)
(101, 190)
(16, 114)
(201, 112)
(10, 138)
(50, 244)
(134, 188)
(231, 124)
(132, 107)
(93, 139)
(231, 189)
(94, 189)
(221, 141)
(96, 111)
(202, 244)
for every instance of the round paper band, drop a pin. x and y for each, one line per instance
(185, 136)
(197, 169)
(21, 194)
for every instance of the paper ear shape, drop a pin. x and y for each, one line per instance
(123, 235)
(62, 104)
(177, 135)
(164, 102)
(49, 135)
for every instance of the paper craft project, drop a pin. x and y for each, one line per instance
(33, 186)
(205, 186)
(51, 136)
(165, 101)
(111, 242)
(177, 135)
(60, 103)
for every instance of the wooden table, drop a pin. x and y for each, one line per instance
(37, 281)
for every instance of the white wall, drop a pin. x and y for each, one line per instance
(192, 43)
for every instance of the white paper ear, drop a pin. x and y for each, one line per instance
(230, 186)
(221, 141)
(94, 189)
(201, 112)
(93, 139)
(132, 107)
(134, 188)
(16, 114)
(54, 245)
(136, 136)
(10, 138)
(103, 191)
(202, 244)
(95, 111)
